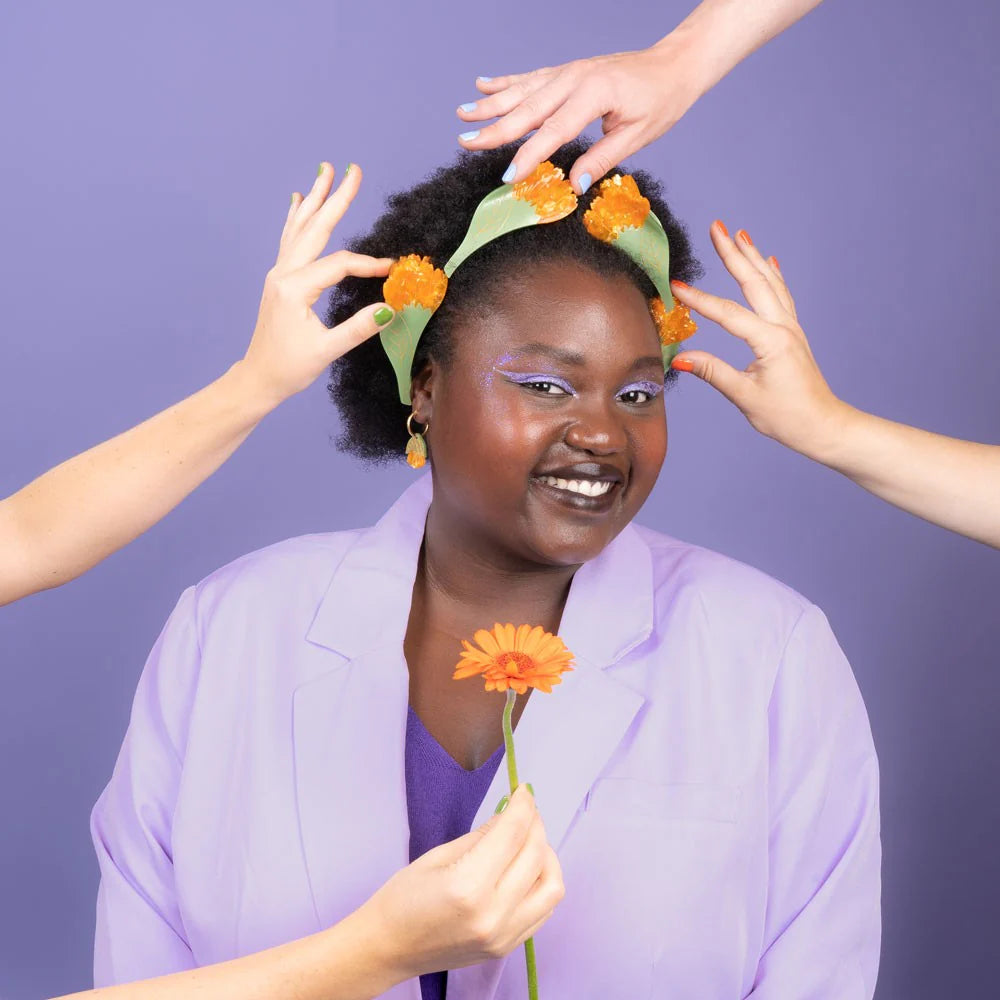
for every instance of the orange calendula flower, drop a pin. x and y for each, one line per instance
(673, 326)
(516, 658)
(548, 192)
(619, 205)
(414, 281)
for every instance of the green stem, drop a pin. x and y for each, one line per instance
(508, 742)
(508, 738)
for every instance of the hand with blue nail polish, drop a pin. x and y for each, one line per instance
(638, 96)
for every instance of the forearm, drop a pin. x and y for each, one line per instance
(949, 482)
(719, 34)
(349, 961)
(75, 515)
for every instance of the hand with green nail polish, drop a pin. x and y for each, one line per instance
(480, 896)
(291, 346)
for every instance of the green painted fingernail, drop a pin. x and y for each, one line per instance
(530, 787)
(503, 805)
(318, 172)
(383, 314)
(348, 170)
(293, 199)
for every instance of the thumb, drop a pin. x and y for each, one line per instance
(451, 851)
(714, 371)
(363, 324)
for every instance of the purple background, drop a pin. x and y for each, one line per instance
(150, 154)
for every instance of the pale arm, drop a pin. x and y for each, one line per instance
(783, 394)
(70, 518)
(638, 95)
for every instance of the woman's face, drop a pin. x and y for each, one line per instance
(548, 428)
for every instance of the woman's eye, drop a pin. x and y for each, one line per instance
(547, 388)
(636, 396)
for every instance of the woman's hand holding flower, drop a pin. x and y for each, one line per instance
(291, 346)
(476, 898)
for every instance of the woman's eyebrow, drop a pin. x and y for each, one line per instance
(650, 361)
(555, 353)
(572, 358)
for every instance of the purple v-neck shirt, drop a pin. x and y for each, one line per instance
(442, 799)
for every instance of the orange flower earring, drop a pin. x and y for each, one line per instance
(416, 447)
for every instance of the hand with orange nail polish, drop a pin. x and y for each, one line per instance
(783, 394)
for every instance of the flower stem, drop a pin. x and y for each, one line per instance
(508, 742)
(508, 738)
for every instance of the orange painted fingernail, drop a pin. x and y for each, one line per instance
(774, 261)
(745, 236)
(675, 283)
(722, 228)
(682, 365)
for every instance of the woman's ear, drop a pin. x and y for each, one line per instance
(422, 393)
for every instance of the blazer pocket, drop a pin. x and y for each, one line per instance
(648, 800)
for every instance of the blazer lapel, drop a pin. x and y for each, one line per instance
(565, 739)
(349, 721)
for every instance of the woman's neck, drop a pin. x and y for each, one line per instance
(468, 582)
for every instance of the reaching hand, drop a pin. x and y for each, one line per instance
(475, 898)
(637, 95)
(782, 392)
(291, 345)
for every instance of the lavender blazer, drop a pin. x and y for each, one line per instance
(706, 775)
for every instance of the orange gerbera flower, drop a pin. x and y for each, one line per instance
(673, 326)
(619, 205)
(548, 192)
(516, 658)
(414, 281)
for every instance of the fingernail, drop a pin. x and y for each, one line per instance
(485, 79)
(745, 237)
(722, 228)
(682, 365)
(679, 284)
(503, 805)
(584, 183)
(530, 787)
(293, 199)
(508, 174)
(471, 106)
(774, 261)
(382, 315)
(468, 136)
(320, 171)
(348, 170)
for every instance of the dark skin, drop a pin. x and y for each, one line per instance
(501, 543)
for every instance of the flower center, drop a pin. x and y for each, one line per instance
(513, 664)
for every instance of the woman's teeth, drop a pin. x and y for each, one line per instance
(588, 488)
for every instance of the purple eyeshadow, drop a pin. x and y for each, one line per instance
(652, 389)
(523, 378)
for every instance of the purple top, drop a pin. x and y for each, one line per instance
(442, 799)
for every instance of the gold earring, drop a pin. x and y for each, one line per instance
(416, 447)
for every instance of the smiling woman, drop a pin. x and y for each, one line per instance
(706, 774)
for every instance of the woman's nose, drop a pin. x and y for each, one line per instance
(596, 429)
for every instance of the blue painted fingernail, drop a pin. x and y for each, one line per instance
(584, 183)
(508, 174)
(467, 136)
(485, 79)
(471, 106)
